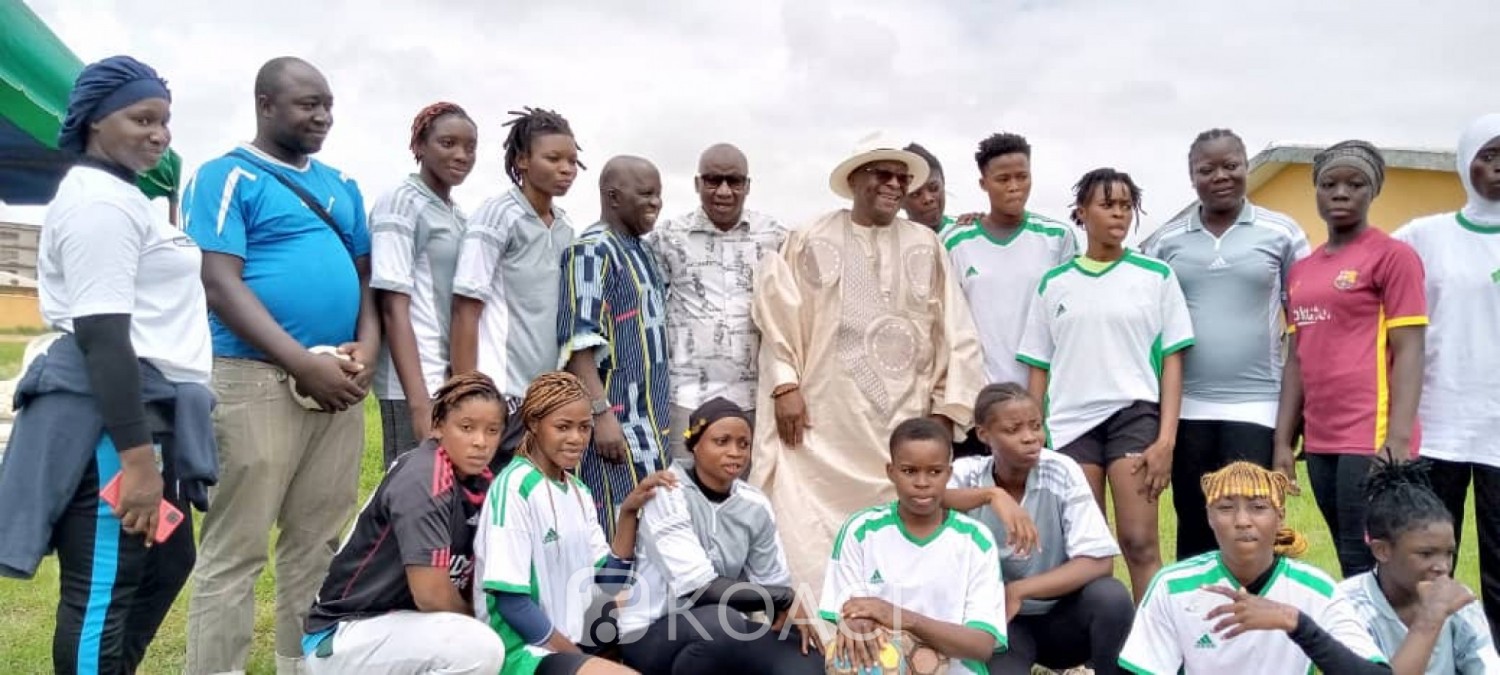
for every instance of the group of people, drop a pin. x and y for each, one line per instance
(656, 447)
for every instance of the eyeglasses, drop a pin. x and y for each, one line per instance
(884, 176)
(712, 181)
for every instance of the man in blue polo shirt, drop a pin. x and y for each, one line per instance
(286, 267)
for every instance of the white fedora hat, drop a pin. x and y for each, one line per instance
(877, 147)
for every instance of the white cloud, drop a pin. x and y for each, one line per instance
(1089, 82)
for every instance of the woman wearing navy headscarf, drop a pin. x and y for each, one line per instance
(113, 439)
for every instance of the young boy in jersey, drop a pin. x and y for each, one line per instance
(1248, 606)
(1104, 337)
(545, 572)
(1063, 606)
(913, 569)
(1422, 620)
(396, 598)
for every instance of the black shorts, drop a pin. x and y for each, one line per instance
(1129, 431)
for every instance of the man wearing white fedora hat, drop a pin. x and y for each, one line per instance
(863, 326)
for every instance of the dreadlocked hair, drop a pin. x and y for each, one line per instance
(934, 167)
(546, 394)
(421, 126)
(460, 388)
(993, 395)
(1400, 498)
(1104, 179)
(1213, 135)
(526, 125)
(1244, 479)
(1000, 144)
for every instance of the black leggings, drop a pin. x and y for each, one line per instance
(708, 640)
(1088, 626)
(114, 592)
(1338, 483)
(1205, 446)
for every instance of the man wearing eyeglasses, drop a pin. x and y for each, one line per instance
(709, 257)
(862, 326)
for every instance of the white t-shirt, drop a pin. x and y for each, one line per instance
(414, 238)
(541, 538)
(1171, 633)
(1461, 380)
(1102, 338)
(953, 575)
(104, 251)
(999, 278)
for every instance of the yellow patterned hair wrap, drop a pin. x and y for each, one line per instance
(1244, 479)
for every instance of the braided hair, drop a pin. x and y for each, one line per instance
(546, 394)
(993, 395)
(526, 125)
(1104, 179)
(1000, 144)
(426, 119)
(460, 388)
(1400, 498)
(1213, 135)
(1245, 479)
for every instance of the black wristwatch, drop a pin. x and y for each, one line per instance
(599, 406)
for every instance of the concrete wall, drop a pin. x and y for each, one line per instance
(1407, 194)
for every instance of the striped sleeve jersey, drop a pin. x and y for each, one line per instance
(951, 575)
(1172, 633)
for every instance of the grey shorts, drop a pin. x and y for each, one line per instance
(1129, 431)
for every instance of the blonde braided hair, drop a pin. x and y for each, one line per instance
(1244, 479)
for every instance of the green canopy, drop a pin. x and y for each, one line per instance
(36, 75)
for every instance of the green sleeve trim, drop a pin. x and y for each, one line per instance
(503, 587)
(1033, 362)
(828, 616)
(1134, 668)
(1001, 644)
(1173, 349)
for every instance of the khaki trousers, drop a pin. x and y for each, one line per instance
(281, 466)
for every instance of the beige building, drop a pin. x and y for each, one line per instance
(18, 246)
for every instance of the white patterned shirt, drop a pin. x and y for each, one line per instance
(710, 278)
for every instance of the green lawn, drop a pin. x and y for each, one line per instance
(26, 608)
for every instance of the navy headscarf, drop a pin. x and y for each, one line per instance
(102, 88)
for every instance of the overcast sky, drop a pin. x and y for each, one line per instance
(796, 83)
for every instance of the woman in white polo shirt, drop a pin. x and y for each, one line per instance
(414, 234)
(1231, 258)
(114, 426)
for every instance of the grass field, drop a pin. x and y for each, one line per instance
(26, 608)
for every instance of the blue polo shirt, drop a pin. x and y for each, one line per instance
(294, 263)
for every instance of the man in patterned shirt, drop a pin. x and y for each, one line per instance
(612, 330)
(708, 257)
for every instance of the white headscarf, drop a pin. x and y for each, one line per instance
(1485, 129)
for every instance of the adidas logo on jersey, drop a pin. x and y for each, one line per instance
(876, 579)
(1495, 276)
(1205, 642)
(550, 537)
(1061, 310)
(974, 272)
(1219, 263)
